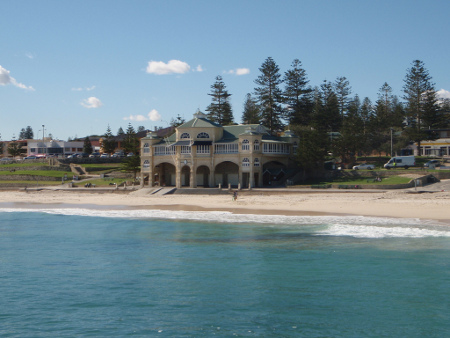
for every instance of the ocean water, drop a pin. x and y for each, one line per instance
(99, 273)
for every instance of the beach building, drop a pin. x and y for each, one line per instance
(49, 146)
(439, 147)
(201, 153)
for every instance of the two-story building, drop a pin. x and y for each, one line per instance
(203, 153)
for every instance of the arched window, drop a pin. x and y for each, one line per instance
(246, 162)
(256, 145)
(245, 145)
(256, 162)
(146, 148)
(185, 135)
(146, 164)
(203, 135)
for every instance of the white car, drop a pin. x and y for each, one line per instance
(364, 166)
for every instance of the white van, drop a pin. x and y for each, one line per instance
(401, 162)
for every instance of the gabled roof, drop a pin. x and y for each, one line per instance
(232, 132)
(199, 121)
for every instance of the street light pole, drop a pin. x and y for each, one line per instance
(391, 144)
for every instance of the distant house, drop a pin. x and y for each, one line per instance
(202, 153)
(48, 146)
(439, 147)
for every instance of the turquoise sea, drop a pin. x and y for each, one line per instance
(84, 272)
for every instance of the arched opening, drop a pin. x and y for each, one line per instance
(226, 173)
(273, 173)
(202, 177)
(165, 174)
(186, 176)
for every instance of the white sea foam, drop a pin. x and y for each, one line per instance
(354, 226)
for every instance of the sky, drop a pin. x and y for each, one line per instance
(78, 66)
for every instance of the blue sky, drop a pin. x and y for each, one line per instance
(77, 66)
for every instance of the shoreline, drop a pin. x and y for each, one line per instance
(398, 204)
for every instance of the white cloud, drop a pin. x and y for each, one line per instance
(443, 94)
(135, 118)
(6, 79)
(29, 55)
(199, 68)
(152, 116)
(173, 66)
(79, 89)
(238, 71)
(91, 102)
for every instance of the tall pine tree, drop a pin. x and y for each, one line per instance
(269, 95)
(219, 110)
(421, 103)
(251, 114)
(296, 95)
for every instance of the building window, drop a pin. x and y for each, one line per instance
(226, 148)
(256, 145)
(275, 148)
(203, 135)
(203, 149)
(185, 135)
(185, 149)
(164, 150)
(246, 162)
(146, 164)
(294, 147)
(146, 148)
(245, 145)
(256, 162)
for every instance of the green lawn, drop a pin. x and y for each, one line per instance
(31, 183)
(47, 173)
(23, 165)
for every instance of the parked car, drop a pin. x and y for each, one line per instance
(130, 154)
(73, 156)
(30, 158)
(104, 155)
(6, 159)
(435, 163)
(94, 155)
(364, 166)
(84, 155)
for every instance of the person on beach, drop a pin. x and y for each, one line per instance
(235, 196)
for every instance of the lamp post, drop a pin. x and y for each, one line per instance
(391, 143)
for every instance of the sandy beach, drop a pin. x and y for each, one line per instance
(435, 206)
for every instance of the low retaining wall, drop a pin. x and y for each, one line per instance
(30, 178)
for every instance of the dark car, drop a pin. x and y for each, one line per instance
(435, 163)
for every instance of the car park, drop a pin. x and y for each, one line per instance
(364, 166)
(432, 163)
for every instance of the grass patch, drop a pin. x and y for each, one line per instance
(46, 173)
(30, 183)
(24, 165)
